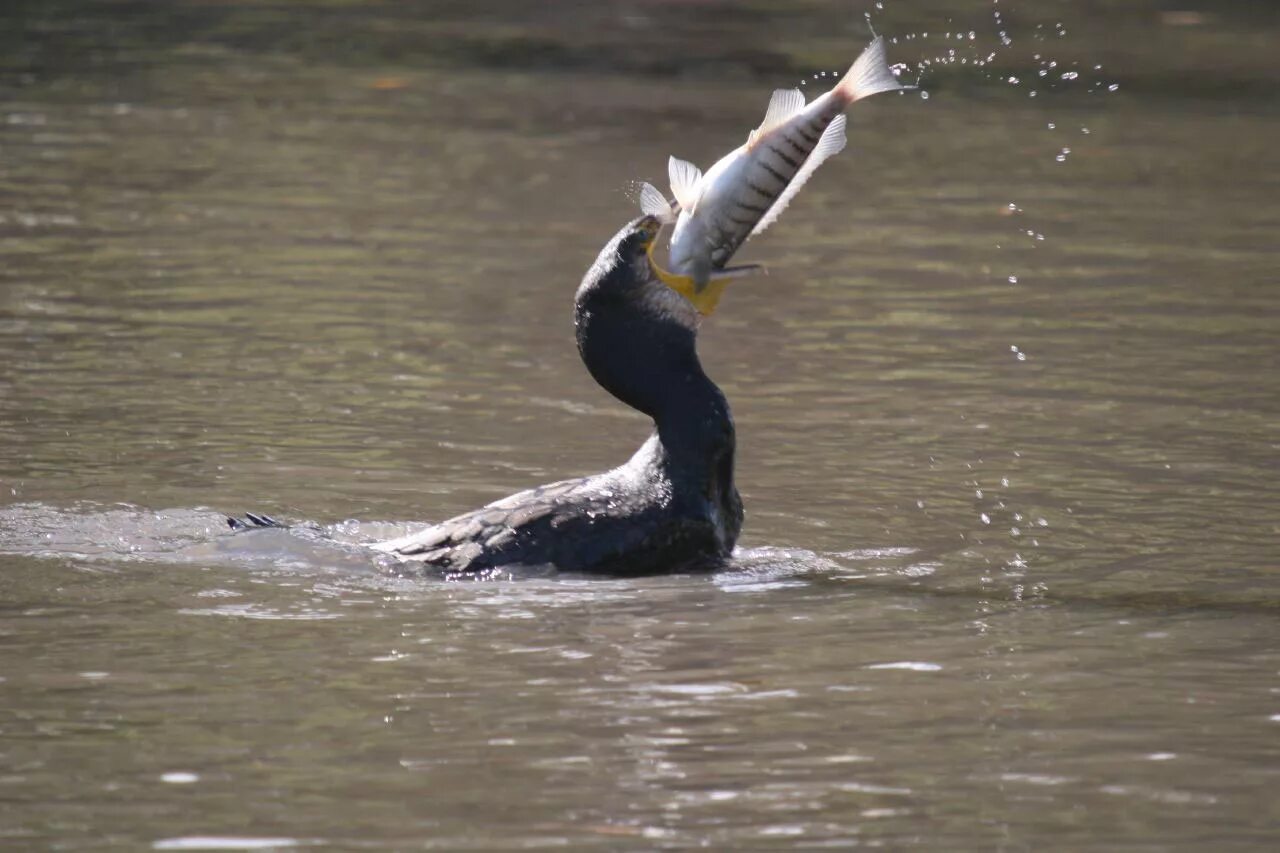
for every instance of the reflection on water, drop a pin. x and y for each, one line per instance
(1007, 425)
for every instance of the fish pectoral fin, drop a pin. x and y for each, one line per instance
(783, 104)
(831, 144)
(685, 178)
(653, 202)
(739, 271)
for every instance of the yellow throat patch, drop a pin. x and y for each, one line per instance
(704, 299)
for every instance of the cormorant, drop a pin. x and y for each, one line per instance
(673, 505)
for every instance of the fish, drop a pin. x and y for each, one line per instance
(748, 189)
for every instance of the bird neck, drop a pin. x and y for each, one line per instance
(696, 436)
(643, 353)
(694, 423)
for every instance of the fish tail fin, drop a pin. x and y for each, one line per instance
(869, 75)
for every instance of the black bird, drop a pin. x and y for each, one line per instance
(673, 505)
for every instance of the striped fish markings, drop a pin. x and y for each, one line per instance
(750, 187)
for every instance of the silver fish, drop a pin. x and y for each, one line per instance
(748, 188)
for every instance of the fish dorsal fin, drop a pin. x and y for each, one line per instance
(831, 143)
(652, 201)
(685, 178)
(782, 105)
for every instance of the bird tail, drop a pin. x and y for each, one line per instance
(253, 521)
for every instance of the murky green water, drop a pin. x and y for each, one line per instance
(1009, 574)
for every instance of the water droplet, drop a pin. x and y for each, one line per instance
(1014, 81)
(1052, 126)
(924, 96)
(1013, 279)
(1113, 87)
(984, 518)
(1004, 481)
(1013, 531)
(978, 494)
(1070, 75)
(1084, 130)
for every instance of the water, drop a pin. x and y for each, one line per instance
(1008, 435)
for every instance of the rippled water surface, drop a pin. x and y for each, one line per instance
(1008, 410)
